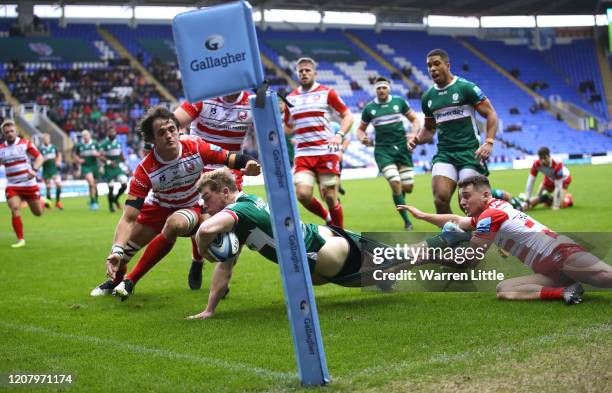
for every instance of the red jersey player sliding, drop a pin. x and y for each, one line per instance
(560, 265)
(163, 201)
(317, 150)
(557, 179)
(225, 122)
(15, 155)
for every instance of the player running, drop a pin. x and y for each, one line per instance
(162, 201)
(559, 264)
(15, 155)
(222, 121)
(316, 156)
(52, 161)
(394, 160)
(115, 170)
(557, 179)
(86, 155)
(450, 106)
(334, 255)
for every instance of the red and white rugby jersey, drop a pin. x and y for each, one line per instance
(309, 118)
(173, 183)
(516, 232)
(222, 123)
(555, 171)
(16, 160)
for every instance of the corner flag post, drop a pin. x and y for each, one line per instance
(290, 249)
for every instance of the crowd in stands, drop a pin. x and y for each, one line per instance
(79, 99)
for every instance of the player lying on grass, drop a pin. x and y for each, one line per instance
(163, 201)
(560, 265)
(334, 255)
(557, 179)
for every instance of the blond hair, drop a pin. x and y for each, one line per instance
(306, 60)
(217, 180)
(7, 122)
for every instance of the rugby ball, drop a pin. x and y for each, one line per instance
(225, 247)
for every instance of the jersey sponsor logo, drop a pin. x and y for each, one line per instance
(214, 147)
(484, 225)
(478, 92)
(214, 42)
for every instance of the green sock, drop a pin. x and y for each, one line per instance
(400, 200)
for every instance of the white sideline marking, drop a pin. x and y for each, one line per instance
(162, 353)
(499, 350)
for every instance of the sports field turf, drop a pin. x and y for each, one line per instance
(392, 342)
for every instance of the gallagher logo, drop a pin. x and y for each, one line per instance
(214, 42)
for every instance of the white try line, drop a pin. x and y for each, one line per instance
(162, 353)
(478, 352)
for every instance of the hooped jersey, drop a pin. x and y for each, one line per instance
(516, 232)
(387, 119)
(16, 160)
(173, 183)
(556, 170)
(222, 123)
(453, 109)
(49, 153)
(309, 118)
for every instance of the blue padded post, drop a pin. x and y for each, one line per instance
(289, 242)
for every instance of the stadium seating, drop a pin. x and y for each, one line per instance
(536, 129)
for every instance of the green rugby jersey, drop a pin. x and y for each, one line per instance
(87, 152)
(452, 107)
(111, 149)
(49, 154)
(254, 228)
(386, 118)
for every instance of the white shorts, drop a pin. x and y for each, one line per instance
(449, 171)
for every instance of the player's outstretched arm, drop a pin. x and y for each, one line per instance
(438, 220)
(218, 287)
(247, 164)
(183, 117)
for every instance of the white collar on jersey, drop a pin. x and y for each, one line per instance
(386, 102)
(17, 139)
(314, 86)
(158, 158)
(240, 96)
(447, 86)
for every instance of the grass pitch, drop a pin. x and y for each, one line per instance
(393, 342)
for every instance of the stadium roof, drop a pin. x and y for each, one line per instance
(407, 7)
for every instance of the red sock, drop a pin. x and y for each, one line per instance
(337, 216)
(155, 251)
(549, 293)
(18, 227)
(120, 274)
(315, 207)
(195, 254)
